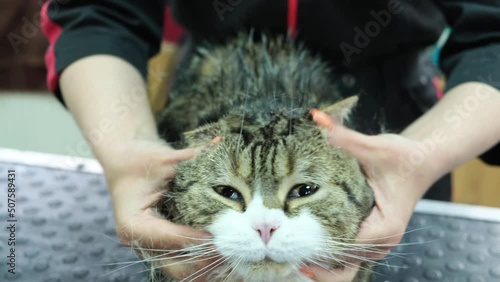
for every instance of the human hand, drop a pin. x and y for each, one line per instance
(397, 185)
(114, 113)
(135, 172)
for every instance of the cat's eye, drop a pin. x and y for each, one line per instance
(228, 192)
(303, 190)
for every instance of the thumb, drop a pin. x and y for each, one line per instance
(355, 143)
(352, 141)
(170, 156)
(186, 154)
(159, 234)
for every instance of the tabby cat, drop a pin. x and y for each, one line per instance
(270, 189)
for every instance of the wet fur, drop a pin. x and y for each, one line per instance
(255, 96)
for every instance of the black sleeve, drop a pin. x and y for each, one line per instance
(472, 52)
(129, 29)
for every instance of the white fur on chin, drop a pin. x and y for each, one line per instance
(295, 241)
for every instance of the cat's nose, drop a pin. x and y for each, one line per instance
(266, 231)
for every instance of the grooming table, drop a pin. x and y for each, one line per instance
(65, 231)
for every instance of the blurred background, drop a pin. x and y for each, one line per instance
(32, 119)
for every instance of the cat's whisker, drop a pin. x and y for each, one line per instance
(191, 261)
(195, 259)
(151, 259)
(190, 238)
(219, 274)
(194, 255)
(368, 249)
(178, 254)
(185, 249)
(352, 266)
(388, 255)
(323, 260)
(378, 238)
(381, 245)
(233, 268)
(340, 243)
(204, 269)
(145, 260)
(167, 255)
(326, 267)
(341, 253)
(114, 240)
(130, 262)
(171, 252)
(121, 268)
(152, 269)
(357, 257)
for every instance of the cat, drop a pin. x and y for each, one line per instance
(270, 189)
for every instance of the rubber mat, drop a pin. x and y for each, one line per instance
(65, 232)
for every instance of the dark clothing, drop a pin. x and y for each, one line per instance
(376, 47)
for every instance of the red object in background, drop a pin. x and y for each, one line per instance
(438, 86)
(22, 64)
(52, 32)
(293, 9)
(172, 31)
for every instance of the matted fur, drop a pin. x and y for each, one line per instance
(254, 98)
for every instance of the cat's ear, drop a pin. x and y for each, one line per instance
(340, 111)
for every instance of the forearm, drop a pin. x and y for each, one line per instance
(461, 126)
(108, 99)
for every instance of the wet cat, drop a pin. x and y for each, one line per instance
(270, 189)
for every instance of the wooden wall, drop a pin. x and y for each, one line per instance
(477, 183)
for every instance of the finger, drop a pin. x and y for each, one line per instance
(322, 119)
(354, 142)
(159, 234)
(345, 274)
(184, 154)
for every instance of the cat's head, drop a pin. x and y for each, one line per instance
(273, 193)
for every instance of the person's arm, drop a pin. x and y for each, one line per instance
(114, 114)
(461, 126)
(127, 29)
(400, 168)
(97, 62)
(471, 53)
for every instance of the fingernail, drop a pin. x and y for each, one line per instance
(307, 272)
(216, 140)
(321, 118)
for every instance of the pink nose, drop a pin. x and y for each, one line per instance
(266, 231)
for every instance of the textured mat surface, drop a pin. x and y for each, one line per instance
(65, 232)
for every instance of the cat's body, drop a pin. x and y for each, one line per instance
(271, 190)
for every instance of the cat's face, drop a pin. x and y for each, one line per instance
(274, 198)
